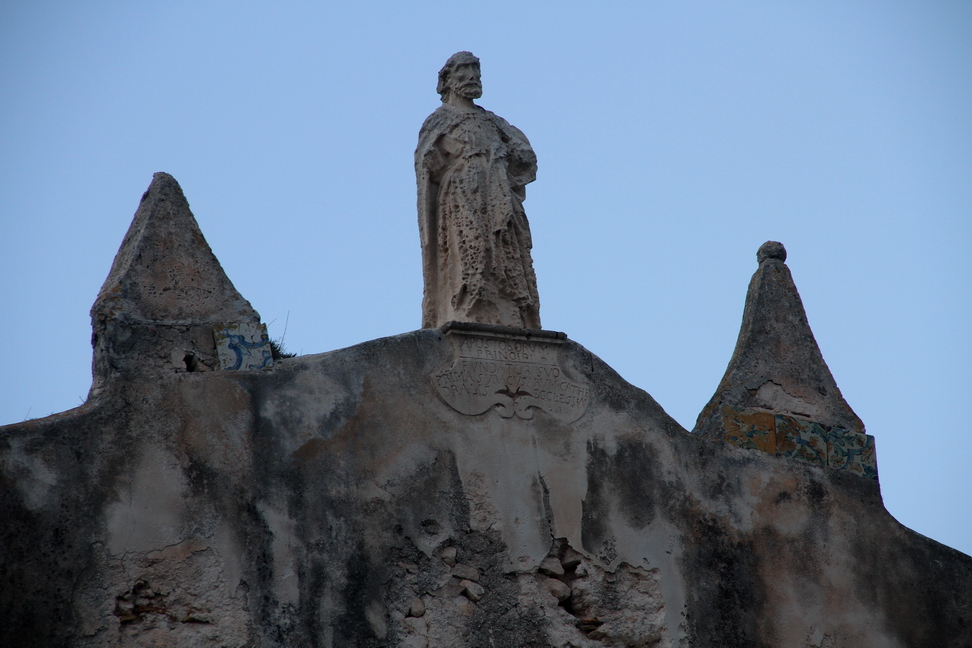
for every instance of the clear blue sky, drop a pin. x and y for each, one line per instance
(673, 139)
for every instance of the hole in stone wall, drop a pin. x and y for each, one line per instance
(564, 565)
(431, 526)
(613, 607)
(192, 364)
(139, 601)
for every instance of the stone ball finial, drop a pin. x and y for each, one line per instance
(771, 250)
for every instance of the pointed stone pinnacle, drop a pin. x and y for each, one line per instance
(165, 269)
(777, 367)
(164, 294)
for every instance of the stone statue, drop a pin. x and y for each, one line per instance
(472, 168)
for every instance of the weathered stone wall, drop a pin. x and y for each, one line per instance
(311, 504)
(351, 499)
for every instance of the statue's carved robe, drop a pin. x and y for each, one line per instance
(472, 168)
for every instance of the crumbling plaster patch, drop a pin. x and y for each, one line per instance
(776, 398)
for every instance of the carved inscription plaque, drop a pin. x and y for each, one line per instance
(514, 372)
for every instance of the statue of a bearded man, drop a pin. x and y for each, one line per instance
(472, 168)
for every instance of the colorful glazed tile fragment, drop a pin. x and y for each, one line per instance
(749, 429)
(869, 458)
(243, 346)
(801, 439)
(854, 452)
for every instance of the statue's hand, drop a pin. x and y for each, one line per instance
(524, 156)
(522, 166)
(433, 161)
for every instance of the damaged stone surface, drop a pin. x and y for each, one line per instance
(338, 500)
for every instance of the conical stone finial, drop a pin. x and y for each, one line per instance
(778, 394)
(164, 295)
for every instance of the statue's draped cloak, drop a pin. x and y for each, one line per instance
(472, 168)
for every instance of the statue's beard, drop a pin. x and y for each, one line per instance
(469, 91)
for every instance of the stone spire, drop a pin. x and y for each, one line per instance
(164, 295)
(778, 394)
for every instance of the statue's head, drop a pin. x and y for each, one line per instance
(460, 75)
